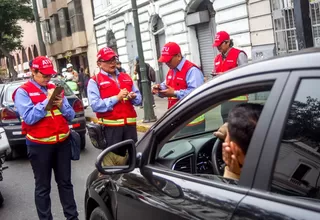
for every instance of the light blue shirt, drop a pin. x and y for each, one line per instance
(194, 79)
(31, 113)
(104, 105)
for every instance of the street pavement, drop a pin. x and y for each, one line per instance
(17, 187)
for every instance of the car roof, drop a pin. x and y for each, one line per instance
(304, 59)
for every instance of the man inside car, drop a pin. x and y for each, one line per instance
(237, 133)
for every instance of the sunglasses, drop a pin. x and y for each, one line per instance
(46, 76)
(108, 61)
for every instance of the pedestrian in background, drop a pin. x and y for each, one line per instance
(86, 81)
(81, 81)
(112, 95)
(47, 138)
(119, 67)
(74, 73)
(150, 76)
(182, 78)
(228, 59)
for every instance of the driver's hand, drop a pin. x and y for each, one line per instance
(222, 132)
(234, 164)
(226, 153)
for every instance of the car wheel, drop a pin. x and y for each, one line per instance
(1, 199)
(98, 214)
(83, 141)
(11, 155)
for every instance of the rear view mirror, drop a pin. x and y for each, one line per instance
(118, 158)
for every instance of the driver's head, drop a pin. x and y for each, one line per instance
(242, 121)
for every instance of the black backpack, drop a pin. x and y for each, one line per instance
(96, 134)
(151, 73)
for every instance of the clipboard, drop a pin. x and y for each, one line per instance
(57, 91)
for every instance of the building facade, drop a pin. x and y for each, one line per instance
(64, 25)
(262, 28)
(190, 23)
(29, 50)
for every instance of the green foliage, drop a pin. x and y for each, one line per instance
(11, 11)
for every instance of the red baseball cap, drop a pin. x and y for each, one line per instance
(169, 50)
(44, 65)
(220, 37)
(106, 54)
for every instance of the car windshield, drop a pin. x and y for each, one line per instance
(9, 91)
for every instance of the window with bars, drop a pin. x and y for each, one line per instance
(315, 19)
(76, 16)
(284, 24)
(64, 21)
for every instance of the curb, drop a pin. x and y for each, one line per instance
(141, 127)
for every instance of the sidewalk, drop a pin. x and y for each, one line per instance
(159, 110)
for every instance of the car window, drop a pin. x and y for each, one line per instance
(190, 149)
(297, 169)
(217, 116)
(9, 91)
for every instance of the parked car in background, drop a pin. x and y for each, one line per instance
(11, 123)
(174, 176)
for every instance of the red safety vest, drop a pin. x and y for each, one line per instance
(51, 129)
(178, 81)
(230, 62)
(123, 112)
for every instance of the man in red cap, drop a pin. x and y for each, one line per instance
(112, 95)
(47, 137)
(228, 59)
(182, 78)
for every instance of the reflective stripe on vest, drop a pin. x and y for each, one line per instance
(49, 114)
(198, 120)
(49, 139)
(240, 98)
(117, 122)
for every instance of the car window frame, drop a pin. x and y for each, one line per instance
(264, 174)
(216, 94)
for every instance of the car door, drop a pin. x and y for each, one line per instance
(158, 191)
(287, 183)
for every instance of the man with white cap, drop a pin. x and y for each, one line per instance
(75, 74)
(228, 59)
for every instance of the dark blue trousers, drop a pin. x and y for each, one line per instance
(44, 159)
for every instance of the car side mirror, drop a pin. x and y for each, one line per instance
(118, 158)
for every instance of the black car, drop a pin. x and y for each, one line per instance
(169, 176)
(10, 119)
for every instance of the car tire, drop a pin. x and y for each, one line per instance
(83, 141)
(98, 214)
(11, 155)
(1, 199)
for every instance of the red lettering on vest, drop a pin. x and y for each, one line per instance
(230, 62)
(54, 125)
(108, 88)
(178, 81)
